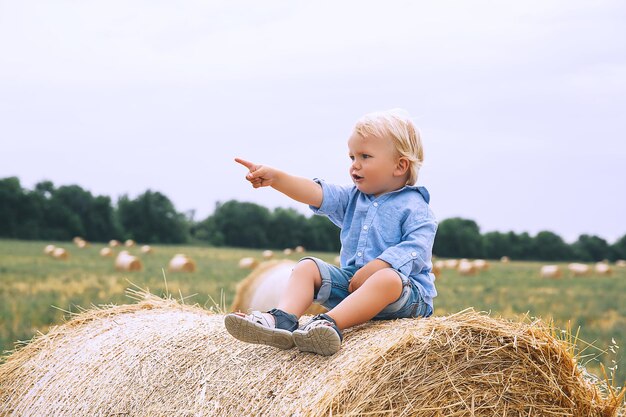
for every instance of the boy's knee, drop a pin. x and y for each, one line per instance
(306, 265)
(389, 279)
(308, 268)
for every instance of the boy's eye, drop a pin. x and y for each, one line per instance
(365, 156)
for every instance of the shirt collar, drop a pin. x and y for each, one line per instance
(422, 190)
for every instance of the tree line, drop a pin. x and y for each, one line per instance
(60, 213)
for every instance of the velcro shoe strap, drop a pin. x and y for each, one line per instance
(325, 320)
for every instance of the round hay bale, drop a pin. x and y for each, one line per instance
(603, 268)
(129, 243)
(160, 358)
(262, 288)
(114, 243)
(481, 264)
(451, 263)
(60, 253)
(181, 263)
(299, 249)
(466, 268)
(578, 269)
(437, 268)
(146, 249)
(247, 263)
(49, 249)
(267, 254)
(105, 252)
(550, 271)
(127, 262)
(82, 244)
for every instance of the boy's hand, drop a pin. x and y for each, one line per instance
(259, 175)
(357, 280)
(365, 272)
(300, 189)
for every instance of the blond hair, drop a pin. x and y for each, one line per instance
(396, 125)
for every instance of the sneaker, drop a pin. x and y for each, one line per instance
(256, 327)
(320, 335)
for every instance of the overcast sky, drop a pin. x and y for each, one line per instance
(521, 104)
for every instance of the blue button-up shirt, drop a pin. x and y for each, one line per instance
(398, 227)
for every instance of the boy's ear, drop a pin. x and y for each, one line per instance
(402, 166)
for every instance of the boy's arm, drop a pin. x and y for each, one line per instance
(300, 189)
(415, 249)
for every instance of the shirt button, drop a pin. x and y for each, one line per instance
(413, 254)
(375, 204)
(365, 227)
(359, 253)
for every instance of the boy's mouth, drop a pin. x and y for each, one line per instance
(356, 177)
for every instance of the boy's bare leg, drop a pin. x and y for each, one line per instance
(377, 292)
(303, 282)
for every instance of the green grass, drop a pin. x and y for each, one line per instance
(37, 291)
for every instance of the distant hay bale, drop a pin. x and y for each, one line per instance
(287, 251)
(481, 264)
(146, 249)
(82, 244)
(578, 269)
(466, 267)
(437, 268)
(267, 254)
(263, 288)
(49, 249)
(505, 260)
(620, 263)
(337, 260)
(159, 358)
(105, 252)
(114, 243)
(299, 249)
(127, 262)
(60, 253)
(550, 271)
(181, 263)
(451, 263)
(129, 243)
(603, 268)
(247, 263)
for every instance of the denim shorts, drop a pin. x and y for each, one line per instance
(334, 289)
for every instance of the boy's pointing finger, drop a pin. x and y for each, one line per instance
(245, 163)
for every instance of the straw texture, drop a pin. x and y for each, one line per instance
(159, 357)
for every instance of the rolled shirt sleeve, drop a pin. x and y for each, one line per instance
(412, 255)
(335, 199)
